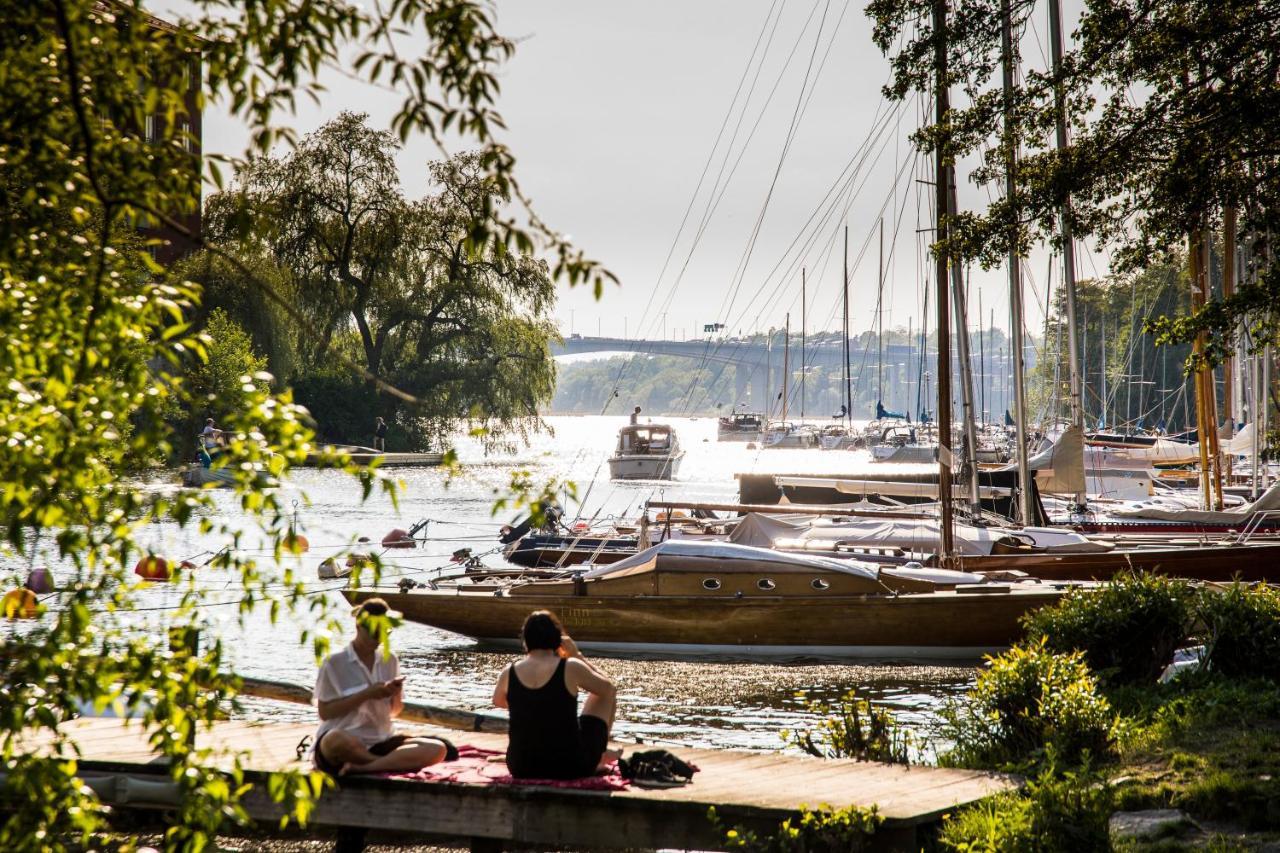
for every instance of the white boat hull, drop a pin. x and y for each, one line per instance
(644, 467)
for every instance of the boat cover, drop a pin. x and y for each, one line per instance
(1059, 467)
(648, 560)
(919, 535)
(1268, 500)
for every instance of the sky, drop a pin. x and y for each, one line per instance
(693, 148)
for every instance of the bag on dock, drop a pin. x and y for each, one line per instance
(656, 768)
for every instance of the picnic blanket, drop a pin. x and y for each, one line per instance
(478, 766)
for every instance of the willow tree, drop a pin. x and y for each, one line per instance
(89, 317)
(461, 324)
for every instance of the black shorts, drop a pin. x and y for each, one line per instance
(382, 747)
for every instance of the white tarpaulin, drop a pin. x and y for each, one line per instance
(1268, 500)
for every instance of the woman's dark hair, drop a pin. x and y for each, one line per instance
(542, 630)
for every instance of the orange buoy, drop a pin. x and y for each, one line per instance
(40, 580)
(20, 604)
(398, 538)
(297, 543)
(152, 568)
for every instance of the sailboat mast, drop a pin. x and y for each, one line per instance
(983, 414)
(786, 364)
(803, 320)
(1074, 369)
(848, 391)
(1015, 275)
(966, 366)
(880, 318)
(942, 108)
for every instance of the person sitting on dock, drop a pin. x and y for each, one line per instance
(548, 740)
(358, 692)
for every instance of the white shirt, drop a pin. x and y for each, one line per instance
(210, 437)
(343, 674)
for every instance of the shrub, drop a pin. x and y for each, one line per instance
(1030, 703)
(1057, 812)
(820, 830)
(1127, 630)
(853, 728)
(1242, 630)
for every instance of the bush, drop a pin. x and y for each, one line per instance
(1127, 630)
(853, 729)
(344, 408)
(1029, 704)
(820, 830)
(1067, 813)
(1242, 630)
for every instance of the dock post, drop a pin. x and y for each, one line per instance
(486, 845)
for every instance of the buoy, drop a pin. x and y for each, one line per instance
(186, 566)
(20, 604)
(581, 527)
(398, 538)
(40, 581)
(297, 543)
(152, 568)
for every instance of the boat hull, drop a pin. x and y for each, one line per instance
(1214, 563)
(644, 467)
(935, 625)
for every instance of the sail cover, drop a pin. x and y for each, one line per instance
(727, 552)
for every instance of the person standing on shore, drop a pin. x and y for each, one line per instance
(380, 436)
(359, 691)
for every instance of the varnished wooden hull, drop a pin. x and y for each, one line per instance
(934, 625)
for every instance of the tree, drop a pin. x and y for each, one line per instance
(90, 319)
(459, 325)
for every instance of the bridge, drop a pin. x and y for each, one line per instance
(758, 365)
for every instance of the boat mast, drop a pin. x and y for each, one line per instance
(848, 391)
(966, 367)
(803, 319)
(786, 365)
(1102, 371)
(983, 414)
(1074, 370)
(942, 418)
(880, 319)
(1015, 275)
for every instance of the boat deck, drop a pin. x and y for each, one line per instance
(752, 789)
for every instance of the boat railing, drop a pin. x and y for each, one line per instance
(1255, 521)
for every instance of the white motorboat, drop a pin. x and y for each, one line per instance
(646, 452)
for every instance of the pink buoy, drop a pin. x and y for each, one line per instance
(152, 568)
(40, 581)
(398, 538)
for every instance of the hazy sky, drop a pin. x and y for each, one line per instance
(615, 109)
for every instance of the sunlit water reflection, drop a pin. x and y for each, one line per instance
(714, 703)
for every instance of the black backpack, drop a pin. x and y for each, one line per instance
(656, 768)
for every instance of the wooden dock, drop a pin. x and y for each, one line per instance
(756, 790)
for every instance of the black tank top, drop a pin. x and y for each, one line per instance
(544, 738)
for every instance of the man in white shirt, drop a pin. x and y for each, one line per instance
(358, 692)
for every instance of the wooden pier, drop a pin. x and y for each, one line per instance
(752, 789)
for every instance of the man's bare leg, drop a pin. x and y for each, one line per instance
(413, 754)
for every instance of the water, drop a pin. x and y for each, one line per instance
(700, 703)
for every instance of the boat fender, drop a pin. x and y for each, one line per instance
(407, 584)
(186, 566)
(398, 538)
(297, 543)
(152, 568)
(20, 603)
(40, 580)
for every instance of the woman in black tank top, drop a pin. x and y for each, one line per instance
(548, 740)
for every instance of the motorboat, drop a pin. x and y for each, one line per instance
(691, 598)
(739, 426)
(646, 452)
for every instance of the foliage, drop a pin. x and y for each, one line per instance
(1065, 812)
(1127, 630)
(1242, 630)
(853, 728)
(215, 383)
(448, 329)
(820, 830)
(98, 336)
(1029, 703)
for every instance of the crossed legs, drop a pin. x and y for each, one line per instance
(348, 753)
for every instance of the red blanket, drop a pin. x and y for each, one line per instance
(476, 766)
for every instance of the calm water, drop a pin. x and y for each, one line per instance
(702, 703)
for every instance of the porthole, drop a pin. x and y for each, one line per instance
(765, 583)
(711, 583)
(820, 584)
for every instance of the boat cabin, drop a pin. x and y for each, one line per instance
(646, 440)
